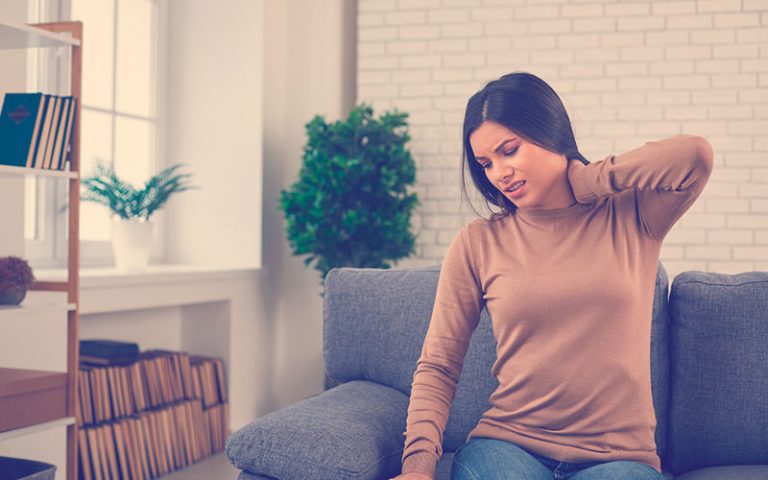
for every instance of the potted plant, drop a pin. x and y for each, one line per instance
(15, 278)
(132, 209)
(350, 206)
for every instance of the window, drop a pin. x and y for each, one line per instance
(120, 114)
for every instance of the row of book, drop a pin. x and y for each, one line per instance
(145, 414)
(35, 130)
(153, 443)
(154, 379)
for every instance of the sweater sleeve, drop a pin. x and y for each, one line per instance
(668, 176)
(455, 315)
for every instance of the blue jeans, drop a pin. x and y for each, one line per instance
(493, 459)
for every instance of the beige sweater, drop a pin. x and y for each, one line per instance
(570, 294)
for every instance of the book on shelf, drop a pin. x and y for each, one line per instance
(36, 129)
(107, 352)
(144, 419)
(20, 121)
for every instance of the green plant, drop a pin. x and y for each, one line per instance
(127, 202)
(15, 274)
(350, 206)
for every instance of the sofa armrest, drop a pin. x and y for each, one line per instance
(353, 431)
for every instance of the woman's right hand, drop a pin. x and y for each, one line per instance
(412, 476)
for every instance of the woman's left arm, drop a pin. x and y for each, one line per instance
(667, 175)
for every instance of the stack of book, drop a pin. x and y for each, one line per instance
(35, 130)
(145, 416)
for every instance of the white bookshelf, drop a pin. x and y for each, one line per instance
(16, 36)
(40, 427)
(11, 172)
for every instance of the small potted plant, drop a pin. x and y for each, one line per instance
(132, 209)
(15, 278)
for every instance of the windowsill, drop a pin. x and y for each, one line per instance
(92, 278)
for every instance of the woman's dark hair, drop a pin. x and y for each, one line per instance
(527, 105)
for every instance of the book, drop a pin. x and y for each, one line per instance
(93, 360)
(59, 137)
(55, 120)
(42, 139)
(36, 132)
(20, 119)
(61, 160)
(32, 158)
(108, 349)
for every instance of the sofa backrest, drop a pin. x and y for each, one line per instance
(718, 375)
(375, 321)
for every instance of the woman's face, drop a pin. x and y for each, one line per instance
(508, 159)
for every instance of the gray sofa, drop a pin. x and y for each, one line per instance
(709, 369)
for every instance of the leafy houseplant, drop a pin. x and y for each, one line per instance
(350, 206)
(127, 202)
(132, 209)
(15, 278)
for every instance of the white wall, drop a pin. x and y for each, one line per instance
(243, 159)
(245, 150)
(627, 72)
(309, 69)
(214, 124)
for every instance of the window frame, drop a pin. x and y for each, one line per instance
(41, 250)
(51, 249)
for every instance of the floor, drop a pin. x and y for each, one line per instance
(216, 467)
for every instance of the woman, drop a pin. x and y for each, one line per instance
(567, 272)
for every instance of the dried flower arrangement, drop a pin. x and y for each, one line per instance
(15, 278)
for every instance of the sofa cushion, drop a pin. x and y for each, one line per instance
(660, 358)
(246, 475)
(443, 471)
(375, 321)
(736, 472)
(353, 431)
(718, 411)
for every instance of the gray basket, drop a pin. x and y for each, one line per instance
(22, 469)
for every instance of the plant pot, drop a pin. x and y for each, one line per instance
(12, 295)
(131, 244)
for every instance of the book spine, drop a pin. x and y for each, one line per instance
(61, 125)
(35, 132)
(68, 134)
(52, 133)
(50, 103)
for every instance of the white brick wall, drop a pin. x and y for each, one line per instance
(627, 73)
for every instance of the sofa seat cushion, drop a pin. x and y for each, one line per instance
(443, 470)
(718, 412)
(736, 472)
(244, 475)
(353, 431)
